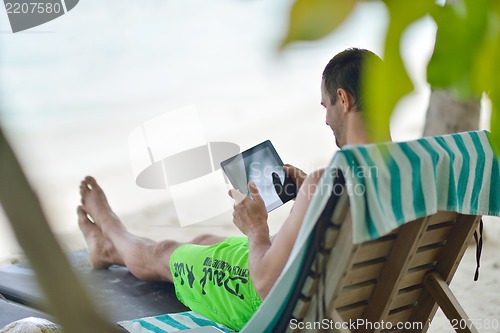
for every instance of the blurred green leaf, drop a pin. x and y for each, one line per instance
(385, 83)
(486, 69)
(461, 30)
(313, 19)
(495, 80)
(495, 123)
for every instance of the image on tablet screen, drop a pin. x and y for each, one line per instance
(256, 164)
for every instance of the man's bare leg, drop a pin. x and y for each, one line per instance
(102, 252)
(145, 258)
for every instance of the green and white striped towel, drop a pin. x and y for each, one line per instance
(170, 323)
(392, 183)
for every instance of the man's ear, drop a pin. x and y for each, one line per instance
(345, 99)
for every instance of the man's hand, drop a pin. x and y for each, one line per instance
(294, 177)
(250, 216)
(297, 175)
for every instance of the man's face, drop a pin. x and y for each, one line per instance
(333, 116)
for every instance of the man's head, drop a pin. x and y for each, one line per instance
(341, 93)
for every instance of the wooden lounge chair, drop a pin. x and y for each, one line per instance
(401, 277)
(387, 255)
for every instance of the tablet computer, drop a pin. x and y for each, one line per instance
(257, 164)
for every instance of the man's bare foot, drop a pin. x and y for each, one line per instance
(95, 204)
(102, 253)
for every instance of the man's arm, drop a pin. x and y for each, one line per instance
(267, 258)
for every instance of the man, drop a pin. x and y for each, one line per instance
(226, 279)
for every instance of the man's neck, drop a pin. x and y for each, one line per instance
(355, 131)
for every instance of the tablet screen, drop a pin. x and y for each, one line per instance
(256, 164)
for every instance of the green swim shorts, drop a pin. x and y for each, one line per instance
(213, 280)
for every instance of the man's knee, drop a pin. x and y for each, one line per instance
(155, 266)
(207, 239)
(163, 250)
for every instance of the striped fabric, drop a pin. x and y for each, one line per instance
(170, 323)
(390, 184)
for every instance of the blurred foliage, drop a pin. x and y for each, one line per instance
(465, 59)
(385, 83)
(450, 66)
(313, 19)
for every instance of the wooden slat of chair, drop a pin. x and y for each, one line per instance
(301, 308)
(364, 273)
(352, 312)
(436, 234)
(442, 216)
(338, 319)
(395, 270)
(373, 250)
(446, 266)
(400, 315)
(310, 286)
(413, 277)
(356, 293)
(427, 256)
(407, 296)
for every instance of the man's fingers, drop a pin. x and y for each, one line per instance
(294, 172)
(277, 182)
(275, 176)
(237, 196)
(254, 191)
(291, 171)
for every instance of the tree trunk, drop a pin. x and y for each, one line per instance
(447, 115)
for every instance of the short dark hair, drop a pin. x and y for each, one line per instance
(345, 71)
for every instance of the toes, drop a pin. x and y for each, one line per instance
(84, 188)
(83, 218)
(82, 214)
(80, 211)
(91, 182)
